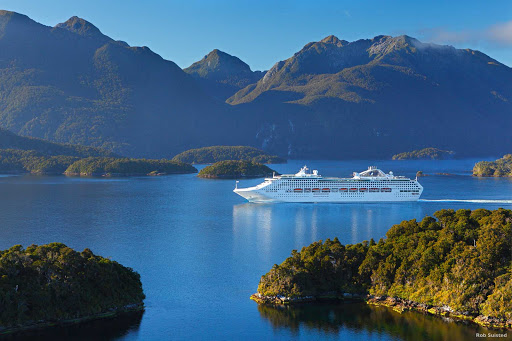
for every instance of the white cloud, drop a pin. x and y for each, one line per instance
(499, 35)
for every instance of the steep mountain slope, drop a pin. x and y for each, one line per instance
(377, 96)
(370, 98)
(71, 83)
(222, 75)
(9, 140)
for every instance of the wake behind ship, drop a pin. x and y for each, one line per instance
(372, 185)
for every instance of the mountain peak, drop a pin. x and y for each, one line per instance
(216, 52)
(224, 57)
(81, 27)
(332, 39)
(227, 72)
(217, 63)
(9, 16)
(4, 13)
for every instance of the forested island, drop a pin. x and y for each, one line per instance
(235, 170)
(30, 161)
(456, 264)
(223, 153)
(20, 154)
(105, 166)
(500, 167)
(425, 154)
(53, 284)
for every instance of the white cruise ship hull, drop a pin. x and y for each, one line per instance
(372, 185)
(260, 196)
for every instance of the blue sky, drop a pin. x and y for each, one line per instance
(263, 32)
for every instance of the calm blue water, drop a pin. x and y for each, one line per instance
(201, 250)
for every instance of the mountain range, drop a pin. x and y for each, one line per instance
(70, 83)
(369, 98)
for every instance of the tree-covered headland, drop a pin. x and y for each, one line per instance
(126, 166)
(425, 154)
(500, 167)
(456, 263)
(232, 169)
(223, 153)
(51, 284)
(31, 161)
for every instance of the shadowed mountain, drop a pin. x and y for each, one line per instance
(222, 75)
(370, 98)
(9, 140)
(71, 83)
(375, 97)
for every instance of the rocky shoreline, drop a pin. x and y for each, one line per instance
(401, 305)
(114, 312)
(397, 304)
(279, 299)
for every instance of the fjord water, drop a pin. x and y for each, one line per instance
(201, 249)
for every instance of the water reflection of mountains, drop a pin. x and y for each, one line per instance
(359, 317)
(102, 329)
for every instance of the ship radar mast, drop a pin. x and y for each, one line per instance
(304, 171)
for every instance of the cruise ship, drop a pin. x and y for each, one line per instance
(372, 185)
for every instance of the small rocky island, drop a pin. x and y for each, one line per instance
(425, 154)
(232, 169)
(223, 153)
(108, 166)
(498, 168)
(52, 284)
(457, 264)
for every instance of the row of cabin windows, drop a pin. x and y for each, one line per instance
(342, 190)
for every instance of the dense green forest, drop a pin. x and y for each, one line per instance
(37, 156)
(20, 154)
(127, 166)
(54, 283)
(223, 153)
(425, 154)
(500, 167)
(459, 259)
(30, 161)
(235, 169)
(9, 140)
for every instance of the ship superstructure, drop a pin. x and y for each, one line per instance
(372, 185)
